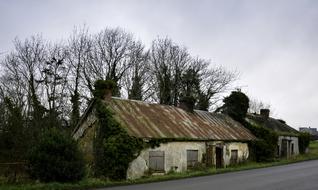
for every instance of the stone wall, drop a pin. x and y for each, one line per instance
(86, 144)
(243, 152)
(292, 146)
(175, 156)
(87, 123)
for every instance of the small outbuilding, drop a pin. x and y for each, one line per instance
(191, 137)
(287, 145)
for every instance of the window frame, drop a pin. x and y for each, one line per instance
(191, 162)
(156, 155)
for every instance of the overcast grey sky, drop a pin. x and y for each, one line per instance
(272, 43)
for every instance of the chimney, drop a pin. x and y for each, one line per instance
(107, 94)
(187, 103)
(264, 113)
(104, 89)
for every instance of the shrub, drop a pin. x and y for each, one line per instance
(303, 141)
(262, 151)
(265, 148)
(56, 157)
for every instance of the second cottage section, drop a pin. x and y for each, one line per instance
(189, 138)
(288, 141)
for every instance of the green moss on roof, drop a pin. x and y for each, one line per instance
(281, 128)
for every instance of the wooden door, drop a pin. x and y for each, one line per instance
(209, 156)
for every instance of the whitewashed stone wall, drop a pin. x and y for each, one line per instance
(242, 149)
(176, 156)
(293, 140)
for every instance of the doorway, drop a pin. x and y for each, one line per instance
(219, 157)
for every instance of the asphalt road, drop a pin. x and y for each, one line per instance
(299, 176)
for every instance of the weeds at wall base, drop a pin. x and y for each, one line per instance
(90, 183)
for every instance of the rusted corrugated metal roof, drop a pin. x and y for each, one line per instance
(147, 120)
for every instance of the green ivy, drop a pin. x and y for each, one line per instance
(114, 148)
(303, 142)
(265, 148)
(101, 86)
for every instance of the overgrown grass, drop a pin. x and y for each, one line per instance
(95, 183)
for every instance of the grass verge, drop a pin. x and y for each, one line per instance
(96, 183)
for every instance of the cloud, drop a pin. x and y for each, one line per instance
(272, 43)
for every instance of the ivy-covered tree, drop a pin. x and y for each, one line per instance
(165, 86)
(236, 105)
(135, 92)
(137, 76)
(190, 83)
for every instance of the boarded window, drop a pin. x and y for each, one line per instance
(234, 156)
(156, 160)
(192, 158)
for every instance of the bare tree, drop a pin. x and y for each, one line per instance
(205, 83)
(11, 83)
(59, 78)
(168, 62)
(137, 76)
(78, 51)
(35, 78)
(28, 57)
(53, 82)
(215, 81)
(177, 74)
(110, 57)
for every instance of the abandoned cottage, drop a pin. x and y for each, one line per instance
(287, 145)
(192, 136)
